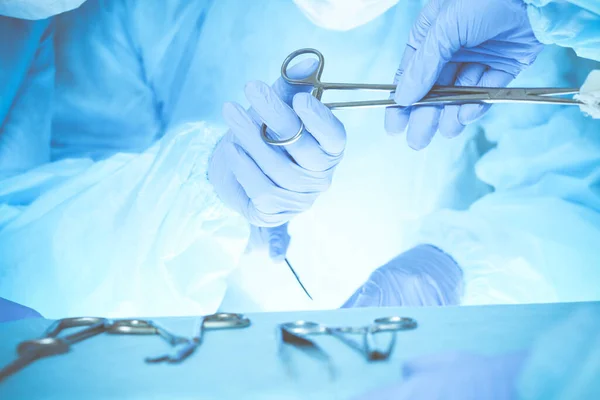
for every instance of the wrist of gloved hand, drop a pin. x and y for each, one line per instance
(422, 276)
(276, 240)
(456, 375)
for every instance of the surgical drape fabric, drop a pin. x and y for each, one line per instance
(534, 238)
(131, 235)
(567, 23)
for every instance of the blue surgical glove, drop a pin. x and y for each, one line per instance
(461, 43)
(456, 376)
(269, 185)
(422, 276)
(11, 311)
(276, 239)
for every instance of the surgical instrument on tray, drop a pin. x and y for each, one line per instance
(439, 95)
(307, 346)
(51, 344)
(213, 321)
(296, 333)
(143, 327)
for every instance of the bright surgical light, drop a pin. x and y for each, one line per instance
(343, 15)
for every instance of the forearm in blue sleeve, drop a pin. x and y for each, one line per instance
(25, 130)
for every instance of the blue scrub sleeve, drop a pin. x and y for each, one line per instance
(121, 67)
(11, 311)
(570, 23)
(27, 68)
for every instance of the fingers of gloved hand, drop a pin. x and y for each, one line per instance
(325, 128)
(425, 67)
(469, 113)
(274, 162)
(396, 118)
(424, 120)
(268, 205)
(284, 123)
(279, 241)
(284, 93)
(426, 19)
(469, 75)
(223, 179)
(303, 69)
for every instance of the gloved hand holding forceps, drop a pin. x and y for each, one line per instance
(269, 185)
(463, 43)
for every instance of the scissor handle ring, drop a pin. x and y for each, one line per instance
(304, 327)
(225, 320)
(394, 323)
(313, 79)
(285, 142)
(47, 345)
(132, 326)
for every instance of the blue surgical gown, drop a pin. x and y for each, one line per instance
(129, 72)
(570, 23)
(26, 90)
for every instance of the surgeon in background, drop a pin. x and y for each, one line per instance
(114, 233)
(26, 95)
(26, 85)
(534, 239)
(124, 87)
(509, 246)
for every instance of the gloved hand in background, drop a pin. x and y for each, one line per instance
(460, 43)
(456, 376)
(422, 276)
(267, 184)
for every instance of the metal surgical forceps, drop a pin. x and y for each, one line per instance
(296, 333)
(439, 95)
(144, 327)
(213, 321)
(51, 343)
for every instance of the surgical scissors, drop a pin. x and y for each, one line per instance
(296, 333)
(213, 321)
(439, 95)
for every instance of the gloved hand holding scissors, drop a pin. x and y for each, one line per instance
(267, 184)
(463, 43)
